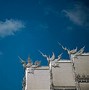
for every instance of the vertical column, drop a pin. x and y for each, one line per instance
(73, 67)
(51, 76)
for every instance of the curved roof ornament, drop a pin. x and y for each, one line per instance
(49, 59)
(80, 52)
(52, 62)
(59, 57)
(45, 56)
(29, 63)
(23, 62)
(55, 62)
(37, 63)
(52, 58)
(73, 51)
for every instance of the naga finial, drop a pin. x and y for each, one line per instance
(29, 64)
(52, 58)
(37, 63)
(45, 56)
(59, 56)
(23, 62)
(73, 51)
(80, 52)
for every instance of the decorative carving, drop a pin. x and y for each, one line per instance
(80, 52)
(59, 57)
(49, 59)
(23, 62)
(73, 51)
(30, 64)
(37, 63)
(82, 78)
(24, 83)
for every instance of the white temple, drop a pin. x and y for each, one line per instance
(60, 74)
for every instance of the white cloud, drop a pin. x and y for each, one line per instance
(79, 14)
(9, 27)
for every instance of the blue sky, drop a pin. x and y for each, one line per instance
(27, 26)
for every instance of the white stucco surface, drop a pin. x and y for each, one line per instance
(84, 86)
(63, 75)
(39, 79)
(81, 64)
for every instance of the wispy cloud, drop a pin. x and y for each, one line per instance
(9, 27)
(79, 14)
(42, 27)
(50, 10)
(1, 53)
(38, 26)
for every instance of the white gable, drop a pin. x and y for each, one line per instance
(63, 75)
(39, 79)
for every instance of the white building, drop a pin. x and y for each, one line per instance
(59, 75)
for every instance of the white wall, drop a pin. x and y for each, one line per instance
(63, 75)
(81, 64)
(39, 80)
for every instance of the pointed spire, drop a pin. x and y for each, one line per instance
(29, 60)
(29, 64)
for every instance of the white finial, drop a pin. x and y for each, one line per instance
(29, 64)
(80, 52)
(69, 51)
(64, 48)
(37, 63)
(59, 56)
(53, 57)
(44, 55)
(22, 62)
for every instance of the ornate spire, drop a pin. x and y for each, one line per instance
(29, 60)
(29, 64)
